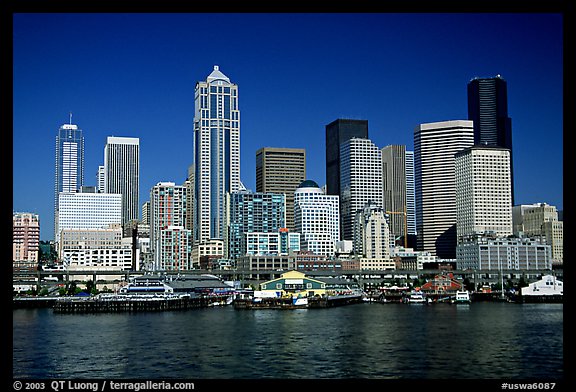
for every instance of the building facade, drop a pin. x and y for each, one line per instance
(410, 194)
(316, 218)
(395, 187)
(483, 191)
(25, 237)
(435, 145)
(360, 181)
(69, 167)
(122, 173)
(337, 132)
(281, 170)
(371, 233)
(216, 153)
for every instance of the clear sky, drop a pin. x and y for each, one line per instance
(133, 75)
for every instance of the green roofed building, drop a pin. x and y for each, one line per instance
(294, 283)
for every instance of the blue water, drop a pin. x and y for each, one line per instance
(362, 341)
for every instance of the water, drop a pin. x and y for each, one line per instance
(363, 341)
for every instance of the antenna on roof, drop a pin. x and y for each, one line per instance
(70, 118)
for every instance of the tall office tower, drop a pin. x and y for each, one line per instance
(146, 213)
(88, 211)
(434, 147)
(216, 153)
(410, 194)
(25, 237)
(483, 191)
(394, 183)
(360, 180)
(122, 173)
(69, 163)
(167, 212)
(281, 170)
(337, 132)
(249, 212)
(371, 233)
(316, 218)
(488, 109)
(189, 184)
(100, 179)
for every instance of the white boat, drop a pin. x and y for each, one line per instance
(462, 297)
(416, 297)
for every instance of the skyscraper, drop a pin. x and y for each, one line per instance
(360, 180)
(394, 190)
(337, 132)
(488, 109)
(216, 153)
(69, 170)
(122, 173)
(281, 170)
(410, 195)
(435, 145)
(483, 191)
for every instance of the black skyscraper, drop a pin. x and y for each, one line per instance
(337, 132)
(488, 108)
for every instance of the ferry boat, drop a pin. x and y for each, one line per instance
(462, 297)
(416, 297)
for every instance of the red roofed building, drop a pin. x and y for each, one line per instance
(441, 284)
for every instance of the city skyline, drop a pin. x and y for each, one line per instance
(396, 71)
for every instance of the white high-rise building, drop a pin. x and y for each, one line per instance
(483, 191)
(410, 193)
(371, 233)
(100, 179)
(360, 180)
(88, 211)
(168, 213)
(122, 173)
(216, 153)
(316, 218)
(435, 145)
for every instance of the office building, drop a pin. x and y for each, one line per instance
(488, 109)
(435, 145)
(69, 168)
(360, 180)
(122, 173)
(337, 132)
(483, 191)
(25, 237)
(371, 233)
(281, 170)
(216, 153)
(410, 194)
(394, 180)
(100, 179)
(317, 219)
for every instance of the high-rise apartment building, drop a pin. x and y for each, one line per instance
(281, 170)
(100, 179)
(69, 170)
(371, 233)
(435, 145)
(410, 194)
(249, 212)
(167, 213)
(316, 218)
(488, 109)
(25, 237)
(337, 132)
(394, 182)
(216, 153)
(483, 191)
(360, 180)
(122, 173)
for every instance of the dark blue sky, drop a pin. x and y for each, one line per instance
(134, 75)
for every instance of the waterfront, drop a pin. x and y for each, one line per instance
(363, 341)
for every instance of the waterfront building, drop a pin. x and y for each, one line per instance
(216, 153)
(88, 211)
(101, 179)
(69, 167)
(25, 237)
(360, 180)
(444, 284)
(122, 173)
(371, 233)
(264, 263)
(251, 212)
(337, 132)
(490, 252)
(488, 110)
(409, 259)
(281, 170)
(483, 191)
(206, 251)
(316, 218)
(308, 261)
(410, 194)
(168, 211)
(395, 188)
(294, 283)
(279, 243)
(435, 145)
(548, 285)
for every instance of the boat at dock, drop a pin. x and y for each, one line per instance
(462, 297)
(417, 297)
